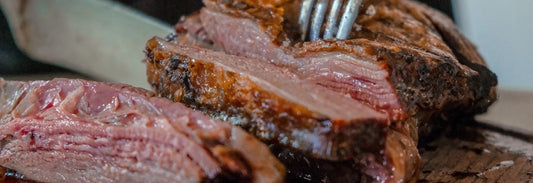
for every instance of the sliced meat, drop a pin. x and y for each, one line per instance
(397, 62)
(278, 107)
(405, 62)
(283, 108)
(81, 131)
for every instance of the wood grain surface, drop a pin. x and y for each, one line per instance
(478, 152)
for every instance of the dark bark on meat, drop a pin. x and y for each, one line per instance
(233, 96)
(214, 83)
(403, 60)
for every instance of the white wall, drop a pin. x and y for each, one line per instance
(503, 33)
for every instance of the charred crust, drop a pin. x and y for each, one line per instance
(234, 98)
(483, 84)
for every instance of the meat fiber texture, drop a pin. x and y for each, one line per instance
(332, 110)
(81, 131)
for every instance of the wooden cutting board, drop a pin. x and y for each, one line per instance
(478, 152)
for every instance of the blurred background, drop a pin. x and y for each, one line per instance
(502, 30)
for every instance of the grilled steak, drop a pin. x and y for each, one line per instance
(81, 131)
(358, 104)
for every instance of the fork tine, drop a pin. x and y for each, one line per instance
(305, 14)
(348, 18)
(318, 19)
(331, 21)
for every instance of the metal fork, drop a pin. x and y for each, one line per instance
(340, 29)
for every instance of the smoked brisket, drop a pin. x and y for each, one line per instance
(82, 131)
(359, 104)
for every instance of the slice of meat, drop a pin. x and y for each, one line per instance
(282, 108)
(406, 62)
(82, 131)
(278, 107)
(397, 62)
